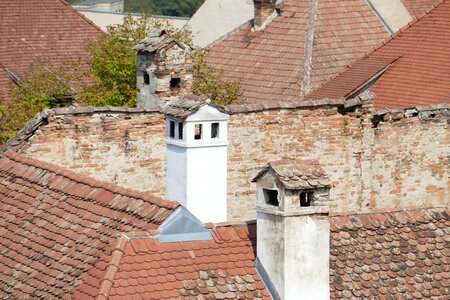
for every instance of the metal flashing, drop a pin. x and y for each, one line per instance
(183, 226)
(266, 279)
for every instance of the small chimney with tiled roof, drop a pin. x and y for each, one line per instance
(197, 145)
(164, 69)
(265, 11)
(293, 229)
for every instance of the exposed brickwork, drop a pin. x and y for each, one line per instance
(398, 161)
(123, 148)
(410, 161)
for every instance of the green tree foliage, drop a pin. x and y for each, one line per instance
(112, 77)
(113, 72)
(208, 81)
(177, 8)
(40, 89)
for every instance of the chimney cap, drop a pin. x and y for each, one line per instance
(297, 174)
(185, 106)
(156, 41)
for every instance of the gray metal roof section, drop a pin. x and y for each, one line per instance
(183, 226)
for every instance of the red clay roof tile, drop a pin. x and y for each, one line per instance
(52, 239)
(388, 252)
(418, 7)
(51, 30)
(399, 252)
(270, 64)
(418, 74)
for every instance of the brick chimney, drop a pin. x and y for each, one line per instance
(265, 10)
(293, 230)
(164, 70)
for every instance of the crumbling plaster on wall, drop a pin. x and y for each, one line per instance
(127, 149)
(399, 161)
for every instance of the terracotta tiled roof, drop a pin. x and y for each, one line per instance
(56, 224)
(420, 69)
(222, 268)
(47, 29)
(418, 7)
(273, 64)
(377, 255)
(393, 255)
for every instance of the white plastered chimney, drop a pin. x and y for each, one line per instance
(197, 143)
(293, 230)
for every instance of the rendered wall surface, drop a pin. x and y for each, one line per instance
(401, 162)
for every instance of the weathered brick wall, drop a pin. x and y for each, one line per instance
(398, 163)
(323, 134)
(123, 148)
(401, 162)
(410, 162)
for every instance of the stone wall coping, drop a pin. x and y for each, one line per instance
(412, 110)
(304, 211)
(387, 114)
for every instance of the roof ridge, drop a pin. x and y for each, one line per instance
(89, 181)
(82, 16)
(107, 281)
(32, 125)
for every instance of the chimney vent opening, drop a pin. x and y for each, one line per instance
(271, 197)
(146, 78)
(175, 83)
(180, 131)
(198, 131)
(172, 129)
(215, 130)
(306, 198)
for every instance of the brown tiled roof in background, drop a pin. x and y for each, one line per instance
(420, 74)
(56, 224)
(51, 30)
(417, 8)
(222, 268)
(389, 255)
(269, 64)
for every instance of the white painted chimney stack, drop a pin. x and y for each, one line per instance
(293, 230)
(197, 143)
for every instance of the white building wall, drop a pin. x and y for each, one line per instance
(393, 12)
(176, 173)
(206, 183)
(104, 19)
(270, 248)
(294, 251)
(306, 263)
